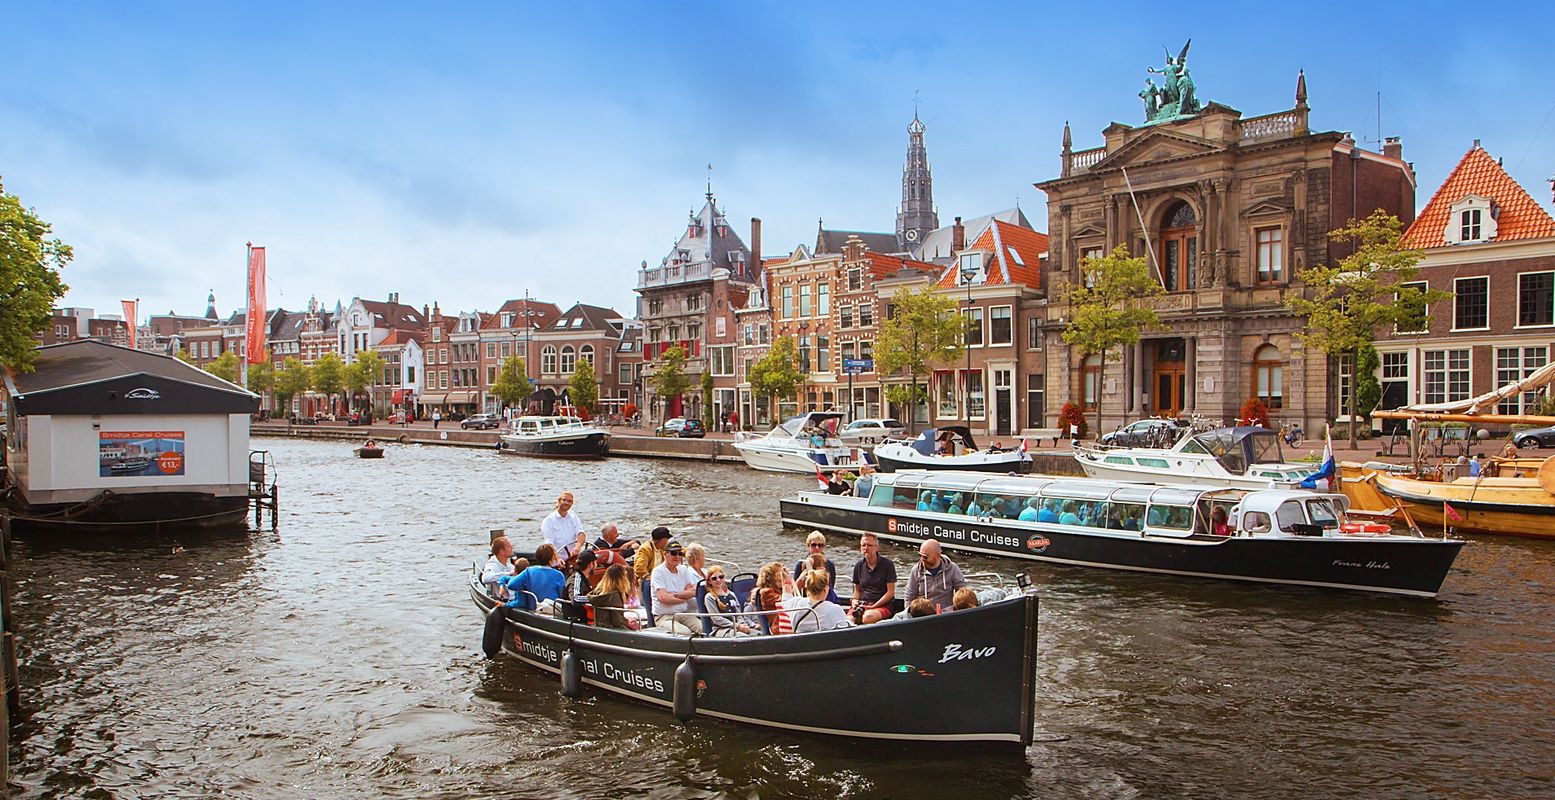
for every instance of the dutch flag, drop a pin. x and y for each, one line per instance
(1325, 473)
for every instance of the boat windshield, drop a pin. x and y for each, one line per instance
(1223, 445)
(1323, 513)
(1265, 447)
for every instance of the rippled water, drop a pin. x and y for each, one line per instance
(339, 657)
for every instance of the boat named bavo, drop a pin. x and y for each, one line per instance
(1275, 535)
(950, 448)
(865, 682)
(1245, 456)
(567, 437)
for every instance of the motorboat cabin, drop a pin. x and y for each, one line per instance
(1245, 456)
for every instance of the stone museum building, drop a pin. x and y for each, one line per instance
(1228, 209)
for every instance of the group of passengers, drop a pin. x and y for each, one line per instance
(1108, 514)
(607, 576)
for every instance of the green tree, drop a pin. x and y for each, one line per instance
(30, 263)
(776, 374)
(924, 327)
(292, 379)
(261, 376)
(225, 366)
(513, 384)
(1106, 309)
(1345, 304)
(329, 375)
(707, 398)
(183, 355)
(669, 374)
(583, 387)
(366, 370)
(1368, 389)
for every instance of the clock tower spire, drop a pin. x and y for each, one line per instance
(916, 216)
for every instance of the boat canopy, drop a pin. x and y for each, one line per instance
(924, 444)
(1236, 448)
(795, 426)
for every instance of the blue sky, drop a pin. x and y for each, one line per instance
(468, 153)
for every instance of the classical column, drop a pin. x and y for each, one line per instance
(1190, 356)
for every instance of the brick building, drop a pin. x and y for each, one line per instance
(71, 324)
(588, 333)
(511, 331)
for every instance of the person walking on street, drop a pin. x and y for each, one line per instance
(437, 416)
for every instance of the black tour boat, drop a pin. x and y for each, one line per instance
(974, 671)
(1276, 535)
(565, 437)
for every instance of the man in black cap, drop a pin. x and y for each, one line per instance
(652, 555)
(674, 589)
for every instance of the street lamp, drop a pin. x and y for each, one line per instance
(967, 273)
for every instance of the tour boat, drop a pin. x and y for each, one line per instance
(1283, 536)
(1245, 457)
(959, 452)
(866, 682)
(555, 436)
(801, 444)
(1512, 497)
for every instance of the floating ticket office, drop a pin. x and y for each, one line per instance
(100, 435)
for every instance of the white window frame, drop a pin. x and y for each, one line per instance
(1519, 369)
(548, 359)
(1277, 261)
(1447, 395)
(1519, 324)
(977, 314)
(1010, 312)
(1457, 293)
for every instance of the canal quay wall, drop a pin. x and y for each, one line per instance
(714, 448)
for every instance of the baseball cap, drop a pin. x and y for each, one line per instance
(675, 548)
(661, 532)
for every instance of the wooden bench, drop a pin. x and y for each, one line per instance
(1043, 433)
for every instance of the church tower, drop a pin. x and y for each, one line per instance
(916, 216)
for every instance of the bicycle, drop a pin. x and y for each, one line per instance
(1291, 433)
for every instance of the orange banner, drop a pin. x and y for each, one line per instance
(255, 319)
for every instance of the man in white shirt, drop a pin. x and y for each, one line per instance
(562, 528)
(674, 586)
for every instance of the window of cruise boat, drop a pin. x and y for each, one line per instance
(1323, 512)
(1118, 460)
(1193, 446)
(1124, 516)
(1255, 522)
(1266, 447)
(1288, 514)
(1158, 463)
(1177, 517)
(883, 496)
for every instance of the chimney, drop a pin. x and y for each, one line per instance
(1393, 147)
(957, 237)
(394, 297)
(424, 315)
(755, 267)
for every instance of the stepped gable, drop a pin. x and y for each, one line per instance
(1519, 215)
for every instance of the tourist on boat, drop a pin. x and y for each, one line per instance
(652, 556)
(1049, 511)
(963, 599)
(956, 506)
(1031, 512)
(590, 569)
(919, 608)
(816, 542)
(563, 529)
(721, 603)
(610, 539)
(1477, 466)
(772, 587)
(369, 445)
(538, 583)
(1068, 516)
(934, 577)
(612, 597)
(673, 588)
(813, 611)
(696, 560)
(866, 481)
(874, 583)
(1219, 524)
(498, 566)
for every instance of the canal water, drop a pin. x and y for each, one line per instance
(340, 657)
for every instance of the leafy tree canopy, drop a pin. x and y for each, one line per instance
(923, 328)
(513, 384)
(329, 374)
(30, 263)
(225, 366)
(669, 376)
(583, 387)
(1106, 309)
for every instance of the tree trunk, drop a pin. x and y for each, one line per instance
(1100, 372)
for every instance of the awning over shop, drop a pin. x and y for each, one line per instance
(463, 397)
(433, 399)
(400, 396)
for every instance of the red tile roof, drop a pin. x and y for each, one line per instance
(1477, 173)
(400, 336)
(1016, 256)
(882, 265)
(541, 312)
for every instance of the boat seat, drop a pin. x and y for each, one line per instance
(742, 585)
(647, 598)
(707, 622)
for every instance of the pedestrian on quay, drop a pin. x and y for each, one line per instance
(437, 417)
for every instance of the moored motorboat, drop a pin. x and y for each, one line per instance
(868, 681)
(801, 444)
(567, 437)
(1516, 506)
(1248, 457)
(1276, 535)
(949, 448)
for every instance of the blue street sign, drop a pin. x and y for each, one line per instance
(857, 366)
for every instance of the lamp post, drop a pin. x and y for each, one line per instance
(967, 272)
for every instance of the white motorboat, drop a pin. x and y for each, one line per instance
(801, 444)
(949, 448)
(567, 437)
(1245, 457)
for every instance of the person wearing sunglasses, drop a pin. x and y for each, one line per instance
(934, 577)
(721, 603)
(816, 544)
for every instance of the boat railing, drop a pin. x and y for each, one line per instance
(855, 651)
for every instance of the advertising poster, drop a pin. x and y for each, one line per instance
(123, 454)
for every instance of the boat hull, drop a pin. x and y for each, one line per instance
(1523, 509)
(891, 460)
(593, 445)
(866, 682)
(1401, 565)
(133, 513)
(1114, 472)
(774, 460)
(369, 452)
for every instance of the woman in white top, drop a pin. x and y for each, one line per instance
(813, 612)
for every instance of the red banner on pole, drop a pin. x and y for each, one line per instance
(254, 321)
(131, 314)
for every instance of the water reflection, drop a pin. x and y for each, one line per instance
(339, 657)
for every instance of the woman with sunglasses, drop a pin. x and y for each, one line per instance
(816, 542)
(721, 603)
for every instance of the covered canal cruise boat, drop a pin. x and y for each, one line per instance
(1276, 535)
(977, 669)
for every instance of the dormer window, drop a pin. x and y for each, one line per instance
(971, 267)
(1471, 220)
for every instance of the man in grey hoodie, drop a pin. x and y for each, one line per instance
(934, 577)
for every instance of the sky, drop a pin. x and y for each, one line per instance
(467, 153)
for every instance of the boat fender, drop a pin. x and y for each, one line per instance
(496, 626)
(1364, 527)
(572, 673)
(685, 695)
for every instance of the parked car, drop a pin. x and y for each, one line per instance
(1536, 438)
(871, 431)
(682, 428)
(1145, 433)
(481, 422)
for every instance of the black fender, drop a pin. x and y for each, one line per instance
(684, 696)
(496, 628)
(572, 674)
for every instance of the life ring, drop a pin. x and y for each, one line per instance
(1364, 527)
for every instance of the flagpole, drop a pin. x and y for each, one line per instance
(248, 318)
